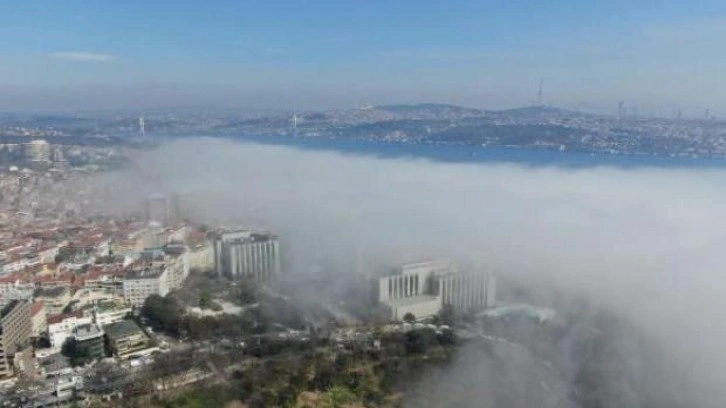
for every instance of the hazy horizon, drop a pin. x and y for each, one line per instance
(658, 57)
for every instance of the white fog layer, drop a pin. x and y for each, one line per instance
(648, 244)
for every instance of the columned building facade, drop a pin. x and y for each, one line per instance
(245, 254)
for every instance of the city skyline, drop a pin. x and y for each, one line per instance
(489, 55)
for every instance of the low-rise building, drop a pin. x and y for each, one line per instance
(126, 338)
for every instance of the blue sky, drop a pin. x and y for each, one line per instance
(656, 55)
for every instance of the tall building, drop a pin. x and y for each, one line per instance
(423, 288)
(15, 330)
(247, 254)
(157, 209)
(38, 151)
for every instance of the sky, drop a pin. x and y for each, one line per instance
(658, 55)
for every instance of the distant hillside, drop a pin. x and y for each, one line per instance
(534, 111)
(430, 110)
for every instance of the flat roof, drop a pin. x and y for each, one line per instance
(122, 329)
(87, 331)
(51, 292)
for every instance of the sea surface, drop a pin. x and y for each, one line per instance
(471, 154)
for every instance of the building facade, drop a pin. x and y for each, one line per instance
(15, 331)
(140, 284)
(126, 338)
(245, 254)
(39, 319)
(423, 288)
(90, 339)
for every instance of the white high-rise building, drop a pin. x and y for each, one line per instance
(247, 254)
(38, 151)
(423, 288)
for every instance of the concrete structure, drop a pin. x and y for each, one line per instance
(245, 254)
(15, 331)
(89, 337)
(140, 284)
(423, 288)
(55, 299)
(39, 319)
(63, 327)
(126, 338)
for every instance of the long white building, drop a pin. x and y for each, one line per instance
(247, 254)
(423, 288)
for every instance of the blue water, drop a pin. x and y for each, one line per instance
(469, 154)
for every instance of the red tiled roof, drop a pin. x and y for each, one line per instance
(36, 308)
(60, 317)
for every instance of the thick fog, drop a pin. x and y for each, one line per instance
(648, 244)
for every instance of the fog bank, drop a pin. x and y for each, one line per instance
(645, 243)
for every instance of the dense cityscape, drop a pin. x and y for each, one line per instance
(534, 127)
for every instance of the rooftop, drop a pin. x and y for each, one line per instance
(123, 328)
(53, 363)
(51, 292)
(88, 332)
(145, 273)
(36, 308)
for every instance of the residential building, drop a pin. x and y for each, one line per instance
(126, 338)
(15, 331)
(142, 283)
(39, 319)
(245, 254)
(174, 258)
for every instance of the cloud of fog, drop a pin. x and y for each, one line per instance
(645, 243)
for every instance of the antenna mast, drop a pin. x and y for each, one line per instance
(539, 92)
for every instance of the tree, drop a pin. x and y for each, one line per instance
(205, 300)
(447, 315)
(409, 318)
(163, 312)
(76, 354)
(419, 340)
